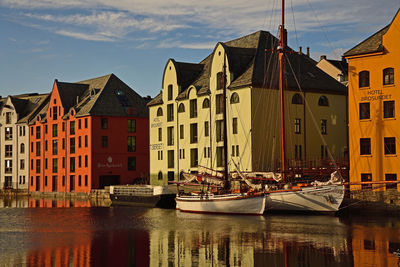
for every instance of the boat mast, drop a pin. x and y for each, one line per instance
(225, 134)
(281, 50)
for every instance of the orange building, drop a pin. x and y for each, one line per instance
(91, 134)
(374, 96)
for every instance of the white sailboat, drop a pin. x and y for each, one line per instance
(223, 200)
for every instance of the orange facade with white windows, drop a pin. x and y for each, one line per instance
(374, 97)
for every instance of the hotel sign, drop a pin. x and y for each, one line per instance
(156, 146)
(156, 123)
(373, 95)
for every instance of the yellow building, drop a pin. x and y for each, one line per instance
(374, 126)
(186, 117)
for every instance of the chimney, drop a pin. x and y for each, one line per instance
(300, 50)
(308, 51)
(323, 57)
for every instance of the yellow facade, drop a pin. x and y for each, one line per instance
(377, 55)
(253, 124)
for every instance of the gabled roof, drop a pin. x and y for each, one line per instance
(102, 96)
(253, 62)
(372, 44)
(156, 100)
(339, 64)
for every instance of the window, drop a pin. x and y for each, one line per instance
(79, 161)
(79, 180)
(54, 130)
(159, 134)
(160, 155)
(390, 145)
(104, 123)
(86, 160)
(181, 131)
(391, 177)
(21, 130)
(297, 126)
(55, 147)
(79, 141)
(234, 98)
(219, 130)
(181, 108)
(219, 103)
(131, 126)
(324, 152)
(46, 145)
(54, 113)
(86, 141)
(364, 111)
(323, 101)
(324, 126)
(159, 112)
(45, 163)
(220, 77)
(297, 152)
(170, 112)
(8, 117)
(206, 103)
(63, 126)
(8, 166)
(363, 79)
(72, 127)
(38, 166)
(8, 151)
(63, 143)
(72, 164)
(193, 108)
(170, 158)
(37, 148)
(86, 123)
(104, 141)
(234, 126)
(193, 157)
(86, 180)
(63, 162)
(170, 136)
(131, 143)
(388, 76)
(9, 133)
(55, 165)
(79, 124)
(297, 99)
(22, 164)
(193, 133)
(22, 148)
(181, 153)
(388, 109)
(160, 176)
(170, 92)
(220, 156)
(131, 163)
(366, 177)
(206, 128)
(72, 145)
(365, 146)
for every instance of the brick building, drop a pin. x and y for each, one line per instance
(92, 134)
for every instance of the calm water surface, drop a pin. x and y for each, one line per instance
(64, 233)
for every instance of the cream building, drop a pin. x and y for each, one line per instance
(16, 112)
(186, 117)
(337, 69)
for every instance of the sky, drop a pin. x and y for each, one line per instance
(75, 40)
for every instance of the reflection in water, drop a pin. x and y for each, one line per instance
(135, 236)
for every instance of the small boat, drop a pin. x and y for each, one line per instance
(229, 203)
(142, 195)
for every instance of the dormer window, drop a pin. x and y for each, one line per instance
(181, 108)
(206, 103)
(323, 101)
(297, 99)
(363, 79)
(388, 76)
(170, 92)
(235, 98)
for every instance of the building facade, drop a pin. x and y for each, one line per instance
(15, 114)
(92, 134)
(186, 120)
(337, 69)
(373, 117)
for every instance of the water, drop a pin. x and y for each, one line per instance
(65, 233)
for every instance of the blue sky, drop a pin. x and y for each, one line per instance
(73, 40)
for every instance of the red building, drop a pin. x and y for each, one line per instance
(91, 134)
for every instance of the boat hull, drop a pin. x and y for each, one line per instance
(222, 204)
(327, 198)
